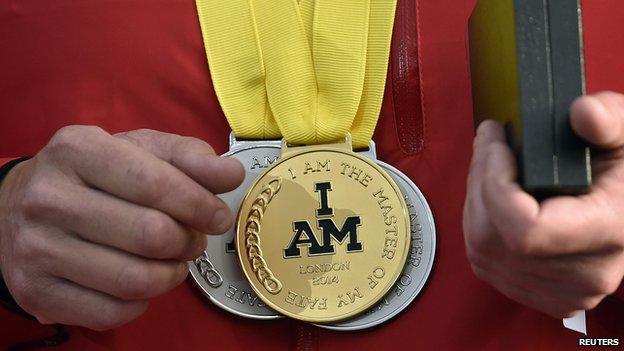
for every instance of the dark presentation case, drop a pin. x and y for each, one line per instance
(527, 67)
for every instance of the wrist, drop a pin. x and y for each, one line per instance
(8, 172)
(9, 169)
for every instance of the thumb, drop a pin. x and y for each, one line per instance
(194, 157)
(599, 119)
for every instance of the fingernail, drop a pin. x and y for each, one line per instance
(480, 136)
(221, 221)
(483, 126)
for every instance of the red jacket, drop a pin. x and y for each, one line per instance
(133, 64)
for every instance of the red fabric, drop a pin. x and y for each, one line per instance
(4, 161)
(140, 63)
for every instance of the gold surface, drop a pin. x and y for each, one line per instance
(314, 284)
(494, 64)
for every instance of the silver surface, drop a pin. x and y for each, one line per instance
(222, 280)
(418, 265)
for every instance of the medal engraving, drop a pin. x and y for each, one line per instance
(233, 292)
(243, 297)
(208, 272)
(235, 295)
(417, 268)
(252, 238)
(328, 228)
(334, 234)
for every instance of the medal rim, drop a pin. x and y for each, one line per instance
(195, 272)
(350, 153)
(424, 282)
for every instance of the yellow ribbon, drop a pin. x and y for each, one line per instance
(311, 70)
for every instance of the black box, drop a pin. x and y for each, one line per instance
(527, 67)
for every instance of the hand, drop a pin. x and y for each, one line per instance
(95, 225)
(566, 253)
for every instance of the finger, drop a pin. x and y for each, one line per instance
(104, 219)
(126, 171)
(524, 296)
(562, 280)
(599, 119)
(476, 219)
(562, 226)
(487, 133)
(577, 225)
(108, 270)
(192, 156)
(64, 302)
(583, 275)
(510, 209)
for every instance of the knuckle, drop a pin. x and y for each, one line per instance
(21, 290)
(154, 185)
(606, 283)
(37, 198)
(65, 136)
(72, 137)
(522, 243)
(184, 144)
(28, 246)
(134, 282)
(197, 143)
(156, 236)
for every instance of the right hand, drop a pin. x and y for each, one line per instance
(96, 224)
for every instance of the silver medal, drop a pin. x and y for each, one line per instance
(418, 265)
(217, 272)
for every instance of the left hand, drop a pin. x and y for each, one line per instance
(564, 254)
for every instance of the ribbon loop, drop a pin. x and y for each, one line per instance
(310, 70)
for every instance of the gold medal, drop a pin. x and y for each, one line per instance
(323, 234)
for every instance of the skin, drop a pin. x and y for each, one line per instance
(566, 253)
(96, 224)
